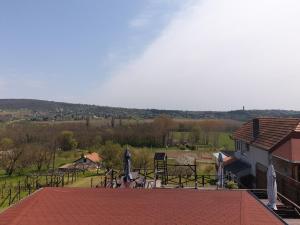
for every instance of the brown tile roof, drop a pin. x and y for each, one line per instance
(70, 206)
(271, 131)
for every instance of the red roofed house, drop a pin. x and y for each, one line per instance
(91, 160)
(81, 206)
(85, 162)
(276, 139)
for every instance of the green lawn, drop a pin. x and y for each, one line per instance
(64, 157)
(224, 140)
(86, 182)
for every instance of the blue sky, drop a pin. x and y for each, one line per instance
(166, 54)
(60, 49)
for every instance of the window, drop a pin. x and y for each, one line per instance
(241, 146)
(247, 147)
(237, 145)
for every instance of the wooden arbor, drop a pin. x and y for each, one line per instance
(161, 167)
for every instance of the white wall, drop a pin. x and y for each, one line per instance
(253, 156)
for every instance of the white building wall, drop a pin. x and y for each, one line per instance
(252, 156)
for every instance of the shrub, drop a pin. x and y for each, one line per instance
(231, 185)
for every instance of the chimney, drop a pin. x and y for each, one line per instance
(255, 128)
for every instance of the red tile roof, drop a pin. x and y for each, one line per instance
(93, 157)
(271, 131)
(71, 206)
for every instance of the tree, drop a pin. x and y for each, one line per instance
(163, 125)
(141, 158)
(215, 137)
(39, 155)
(87, 121)
(67, 141)
(6, 144)
(10, 154)
(97, 141)
(195, 135)
(112, 121)
(112, 155)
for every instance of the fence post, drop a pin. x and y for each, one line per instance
(180, 180)
(29, 189)
(9, 198)
(26, 181)
(91, 182)
(19, 191)
(196, 177)
(203, 181)
(155, 178)
(112, 178)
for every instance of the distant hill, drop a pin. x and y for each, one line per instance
(49, 110)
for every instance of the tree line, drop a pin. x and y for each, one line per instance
(31, 144)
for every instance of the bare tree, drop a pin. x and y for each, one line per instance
(10, 154)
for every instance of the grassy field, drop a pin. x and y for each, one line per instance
(86, 182)
(60, 159)
(64, 157)
(224, 140)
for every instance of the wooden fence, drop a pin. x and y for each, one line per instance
(11, 193)
(288, 187)
(181, 177)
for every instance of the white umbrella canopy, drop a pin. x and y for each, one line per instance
(220, 171)
(271, 187)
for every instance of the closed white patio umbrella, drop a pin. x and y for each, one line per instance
(220, 171)
(271, 187)
(127, 166)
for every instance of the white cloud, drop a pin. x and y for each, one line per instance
(140, 21)
(216, 55)
(156, 10)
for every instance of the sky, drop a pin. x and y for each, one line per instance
(165, 54)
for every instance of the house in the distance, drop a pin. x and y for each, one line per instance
(278, 139)
(88, 161)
